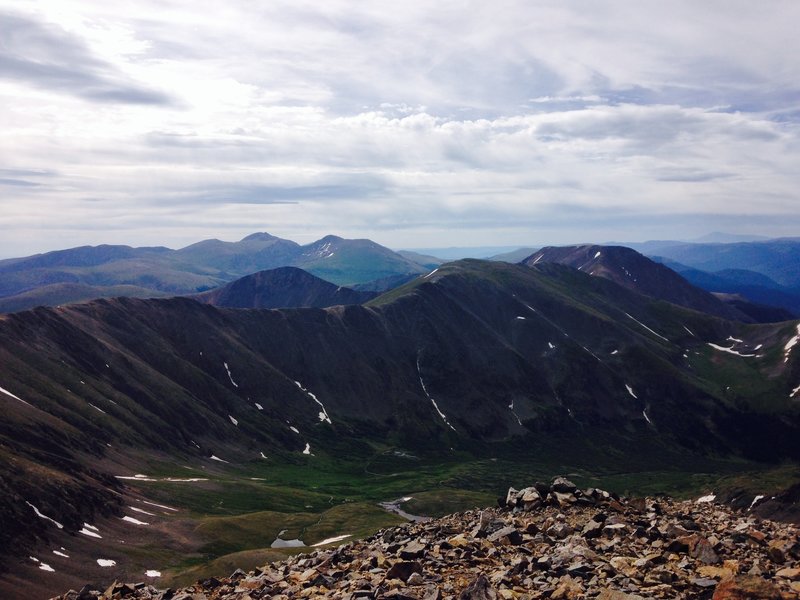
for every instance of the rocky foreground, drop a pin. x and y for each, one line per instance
(547, 541)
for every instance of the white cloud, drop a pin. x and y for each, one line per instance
(406, 123)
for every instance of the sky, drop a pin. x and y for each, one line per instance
(415, 124)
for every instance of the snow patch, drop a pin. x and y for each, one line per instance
(229, 375)
(96, 408)
(234, 421)
(630, 391)
(45, 517)
(435, 406)
(264, 456)
(59, 553)
(134, 521)
(730, 338)
(432, 272)
(218, 459)
(259, 407)
(791, 344)
(597, 255)
(307, 449)
(521, 318)
(730, 350)
(689, 330)
(160, 506)
(323, 414)
(551, 346)
(615, 352)
(86, 531)
(295, 429)
(706, 499)
(46, 567)
(646, 418)
(139, 510)
(795, 391)
(755, 500)
(136, 478)
(646, 327)
(538, 258)
(105, 562)
(331, 540)
(152, 573)
(7, 393)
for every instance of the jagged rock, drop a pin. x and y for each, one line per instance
(563, 485)
(403, 569)
(480, 589)
(746, 587)
(605, 547)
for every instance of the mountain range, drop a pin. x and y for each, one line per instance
(89, 272)
(618, 364)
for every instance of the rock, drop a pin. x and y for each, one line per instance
(793, 574)
(413, 550)
(403, 569)
(563, 485)
(480, 589)
(617, 595)
(746, 587)
(597, 546)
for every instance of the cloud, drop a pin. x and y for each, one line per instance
(48, 57)
(517, 120)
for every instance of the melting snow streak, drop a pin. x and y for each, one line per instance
(7, 393)
(791, 344)
(323, 415)
(436, 406)
(229, 375)
(38, 514)
(729, 350)
(646, 327)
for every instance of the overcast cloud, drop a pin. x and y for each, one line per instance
(413, 123)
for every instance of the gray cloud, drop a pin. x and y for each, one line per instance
(48, 57)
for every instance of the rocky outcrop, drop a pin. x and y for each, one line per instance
(544, 541)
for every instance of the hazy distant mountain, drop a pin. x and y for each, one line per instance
(777, 259)
(425, 260)
(28, 282)
(460, 252)
(515, 256)
(284, 287)
(717, 237)
(755, 287)
(636, 272)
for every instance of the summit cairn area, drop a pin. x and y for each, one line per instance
(545, 541)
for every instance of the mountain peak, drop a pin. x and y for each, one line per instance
(259, 236)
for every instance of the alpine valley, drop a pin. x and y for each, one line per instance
(173, 438)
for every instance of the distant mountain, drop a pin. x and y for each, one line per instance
(425, 260)
(459, 252)
(67, 293)
(777, 259)
(284, 287)
(476, 358)
(717, 237)
(153, 272)
(515, 256)
(755, 287)
(636, 272)
(349, 262)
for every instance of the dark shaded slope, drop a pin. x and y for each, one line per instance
(285, 287)
(474, 353)
(636, 272)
